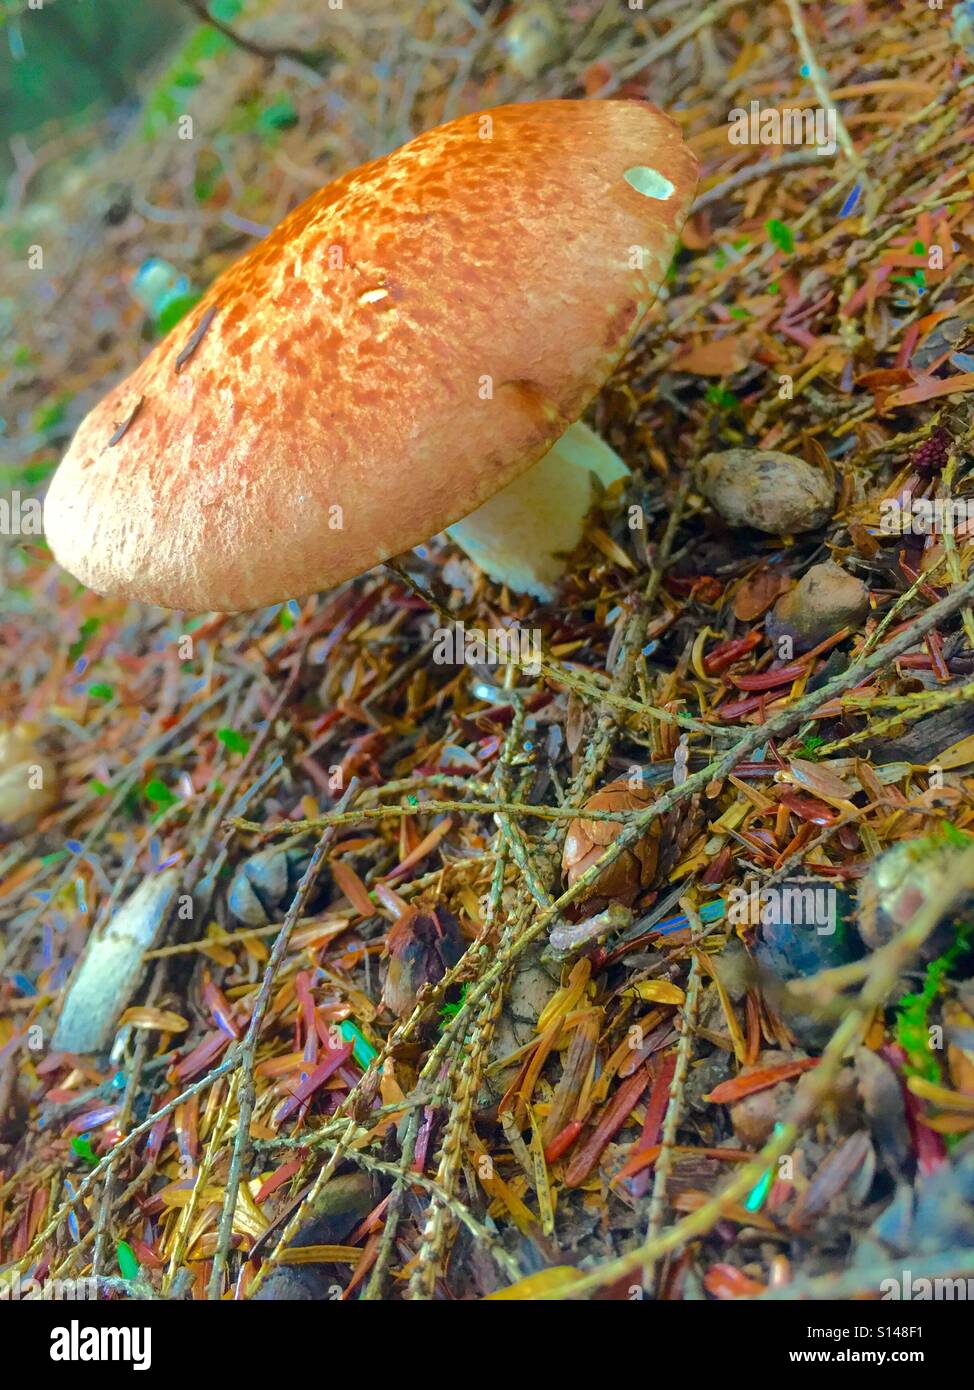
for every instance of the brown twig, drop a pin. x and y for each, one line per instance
(267, 52)
(674, 1108)
(764, 169)
(248, 1047)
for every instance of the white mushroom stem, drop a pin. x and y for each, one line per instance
(524, 535)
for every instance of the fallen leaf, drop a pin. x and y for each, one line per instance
(536, 1285)
(930, 387)
(957, 755)
(162, 1019)
(656, 992)
(758, 592)
(740, 1086)
(353, 887)
(320, 1255)
(719, 357)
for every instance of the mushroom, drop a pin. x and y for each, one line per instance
(409, 350)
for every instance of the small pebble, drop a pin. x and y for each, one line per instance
(826, 599)
(764, 488)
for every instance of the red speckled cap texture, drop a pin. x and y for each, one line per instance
(405, 343)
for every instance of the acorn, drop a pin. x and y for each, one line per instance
(28, 783)
(264, 885)
(587, 841)
(423, 945)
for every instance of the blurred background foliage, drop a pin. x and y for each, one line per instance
(67, 61)
(143, 144)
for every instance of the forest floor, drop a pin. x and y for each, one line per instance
(425, 1061)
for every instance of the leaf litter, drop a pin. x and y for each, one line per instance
(382, 1041)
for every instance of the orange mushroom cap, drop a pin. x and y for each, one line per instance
(401, 346)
